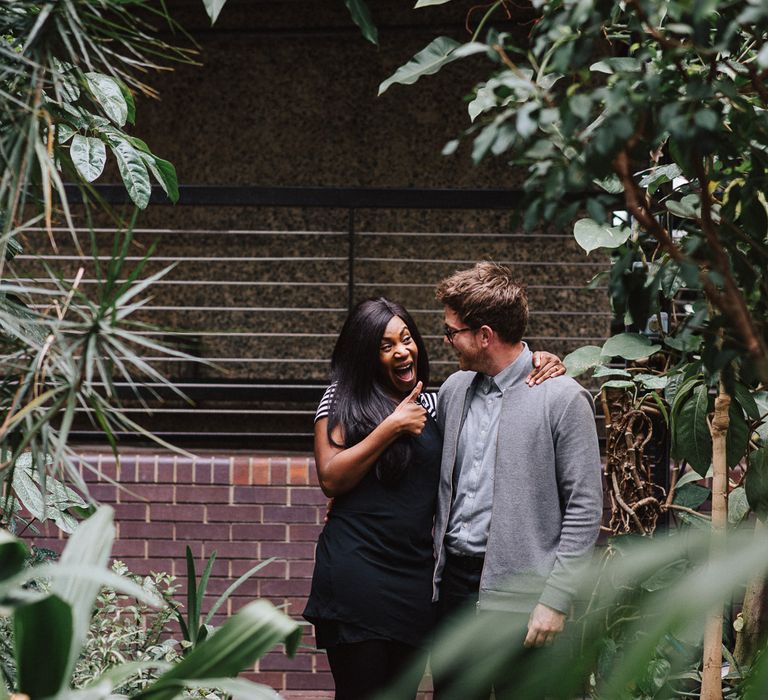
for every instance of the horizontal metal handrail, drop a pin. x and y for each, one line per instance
(218, 303)
(254, 283)
(324, 197)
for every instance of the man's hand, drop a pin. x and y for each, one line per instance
(544, 625)
(545, 366)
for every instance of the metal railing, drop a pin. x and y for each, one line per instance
(264, 302)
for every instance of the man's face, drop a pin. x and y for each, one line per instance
(464, 341)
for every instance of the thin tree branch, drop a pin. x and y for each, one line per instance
(733, 302)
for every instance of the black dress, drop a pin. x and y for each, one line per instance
(374, 561)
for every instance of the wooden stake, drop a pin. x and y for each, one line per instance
(711, 681)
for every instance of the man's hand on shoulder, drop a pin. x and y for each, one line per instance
(544, 625)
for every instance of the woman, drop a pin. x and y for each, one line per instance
(377, 452)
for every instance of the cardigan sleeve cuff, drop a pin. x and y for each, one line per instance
(556, 599)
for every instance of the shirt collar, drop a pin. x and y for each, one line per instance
(516, 371)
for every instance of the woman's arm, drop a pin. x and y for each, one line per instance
(340, 469)
(545, 366)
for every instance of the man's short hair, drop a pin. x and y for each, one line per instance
(486, 295)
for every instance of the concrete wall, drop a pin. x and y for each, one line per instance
(287, 95)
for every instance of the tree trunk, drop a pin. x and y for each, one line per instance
(754, 615)
(711, 682)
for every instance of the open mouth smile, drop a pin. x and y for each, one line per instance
(405, 372)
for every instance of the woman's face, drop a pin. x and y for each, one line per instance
(397, 356)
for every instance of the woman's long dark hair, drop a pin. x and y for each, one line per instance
(361, 400)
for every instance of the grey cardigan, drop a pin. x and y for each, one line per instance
(547, 496)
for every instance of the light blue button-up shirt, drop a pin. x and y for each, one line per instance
(473, 476)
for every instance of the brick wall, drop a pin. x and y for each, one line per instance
(246, 508)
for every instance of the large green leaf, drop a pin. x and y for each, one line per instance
(193, 611)
(761, 399)
(130, 103)
(591, 235)
(655, 676)
(603, 371)
(686, 208)
(611, 184)
(675, 381)
(88, 155)
(242, 639)
(485, 99)
(691, 495)
(747, 400)
(426, 62)
(619, 384)
(681, 393)
(361, 16)
(13, 552)
(88, 546)
(43, 640)
(756, 483)
(106, 91)
(583, 359)
(659, 175)
(27, 490)
(630, 346)
(617, 64)
(132, 171)
(653, 382)
(65, 82)
(64, 132)
(692, 438)
(692, 475)
(665, 576)
(738, 505)
(237, 688)
(213, 8)
(117, 675)
(428, 3)
(165, 174)
(737, 438)
(233, 587)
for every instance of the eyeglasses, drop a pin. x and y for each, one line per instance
(449, 332)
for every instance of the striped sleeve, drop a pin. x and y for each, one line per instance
(324, 406)
(429, 401)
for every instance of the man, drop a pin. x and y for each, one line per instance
(520, 496)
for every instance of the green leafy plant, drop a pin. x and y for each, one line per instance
(121, 629)
(61, 614)
(69, 75)
(194, 627)
(66, 356)
(637, 633)
(124, 629)
(43, 496)
(583, 103)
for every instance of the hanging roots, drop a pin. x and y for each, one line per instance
(636, 502)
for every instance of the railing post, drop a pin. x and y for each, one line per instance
(351, 260)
